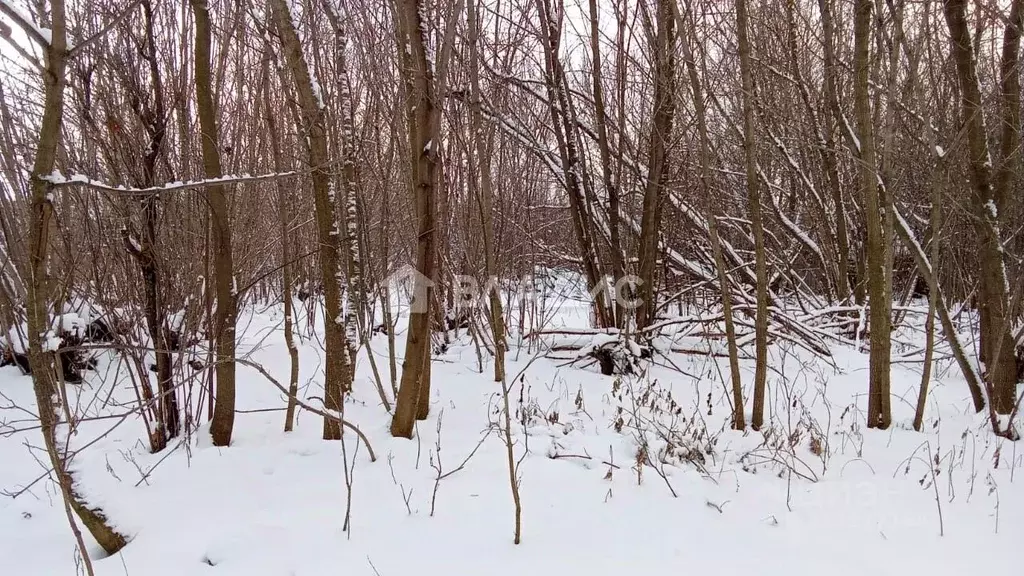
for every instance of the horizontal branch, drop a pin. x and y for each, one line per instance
(58, 180)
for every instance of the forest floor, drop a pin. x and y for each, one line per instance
(815, 492)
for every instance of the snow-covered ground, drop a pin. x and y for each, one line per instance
(814, 493)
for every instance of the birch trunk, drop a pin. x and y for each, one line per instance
(338, 374)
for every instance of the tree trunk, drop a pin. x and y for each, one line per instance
(738, 418)
(355, 329)
(337, 376)
(220, 223)
(610, 187)
(569, 157)
(144, 252)
(423, 118)
(661, 134)
(284, 217)
(485, 195)
(831, 162)
(938, 181)
(993, 298)
(754, 206)
(41, 225)
(879, 412)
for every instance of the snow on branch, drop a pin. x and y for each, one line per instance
(911, 241)
(39, 35)
(59, 180)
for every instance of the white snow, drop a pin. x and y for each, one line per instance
(317, 93)
(69, 322)
(58, 179)
(17, 339)
(815, 492)
(993, 212)
(26, 21)
(176, 320)
(51, 341)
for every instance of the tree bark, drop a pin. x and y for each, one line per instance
(41, 224)
(356, 331)
(220, 224)
(485, 195)
(144, 253)
(337, 374)
(700, 110)
(423, 119)
(993, 299)
(754, 207)
(661, 134)
(610, 186)
(831, 162)
(284, 217)
(569, 156)
(879, 411)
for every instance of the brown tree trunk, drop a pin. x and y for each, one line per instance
(831, 162)
(41, 224)
(284, 217)
(993, 299)
(661, 134)
(879, 412)
(485, 195)
(155, 122)
(355, 329)
(220, 223)
(754, 206)
(610, 187)
(569, 156)
(929, 270)
(738, 417)
(423, 118)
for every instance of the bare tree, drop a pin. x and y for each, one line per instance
(220, 224)
(481, 139)
(338, 374)
(47, 381)
(879, 412)
(754, 207)
(423, 126)
(993, 299)
(284, 199)
(700, 113)
(661, 135)
(143, 248)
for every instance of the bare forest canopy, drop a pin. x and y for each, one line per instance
(803, 170)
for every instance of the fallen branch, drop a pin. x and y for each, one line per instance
(302, 404)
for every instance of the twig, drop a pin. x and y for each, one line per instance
(313, 409)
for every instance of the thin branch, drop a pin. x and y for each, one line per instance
(77, 49)
(299, 402)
